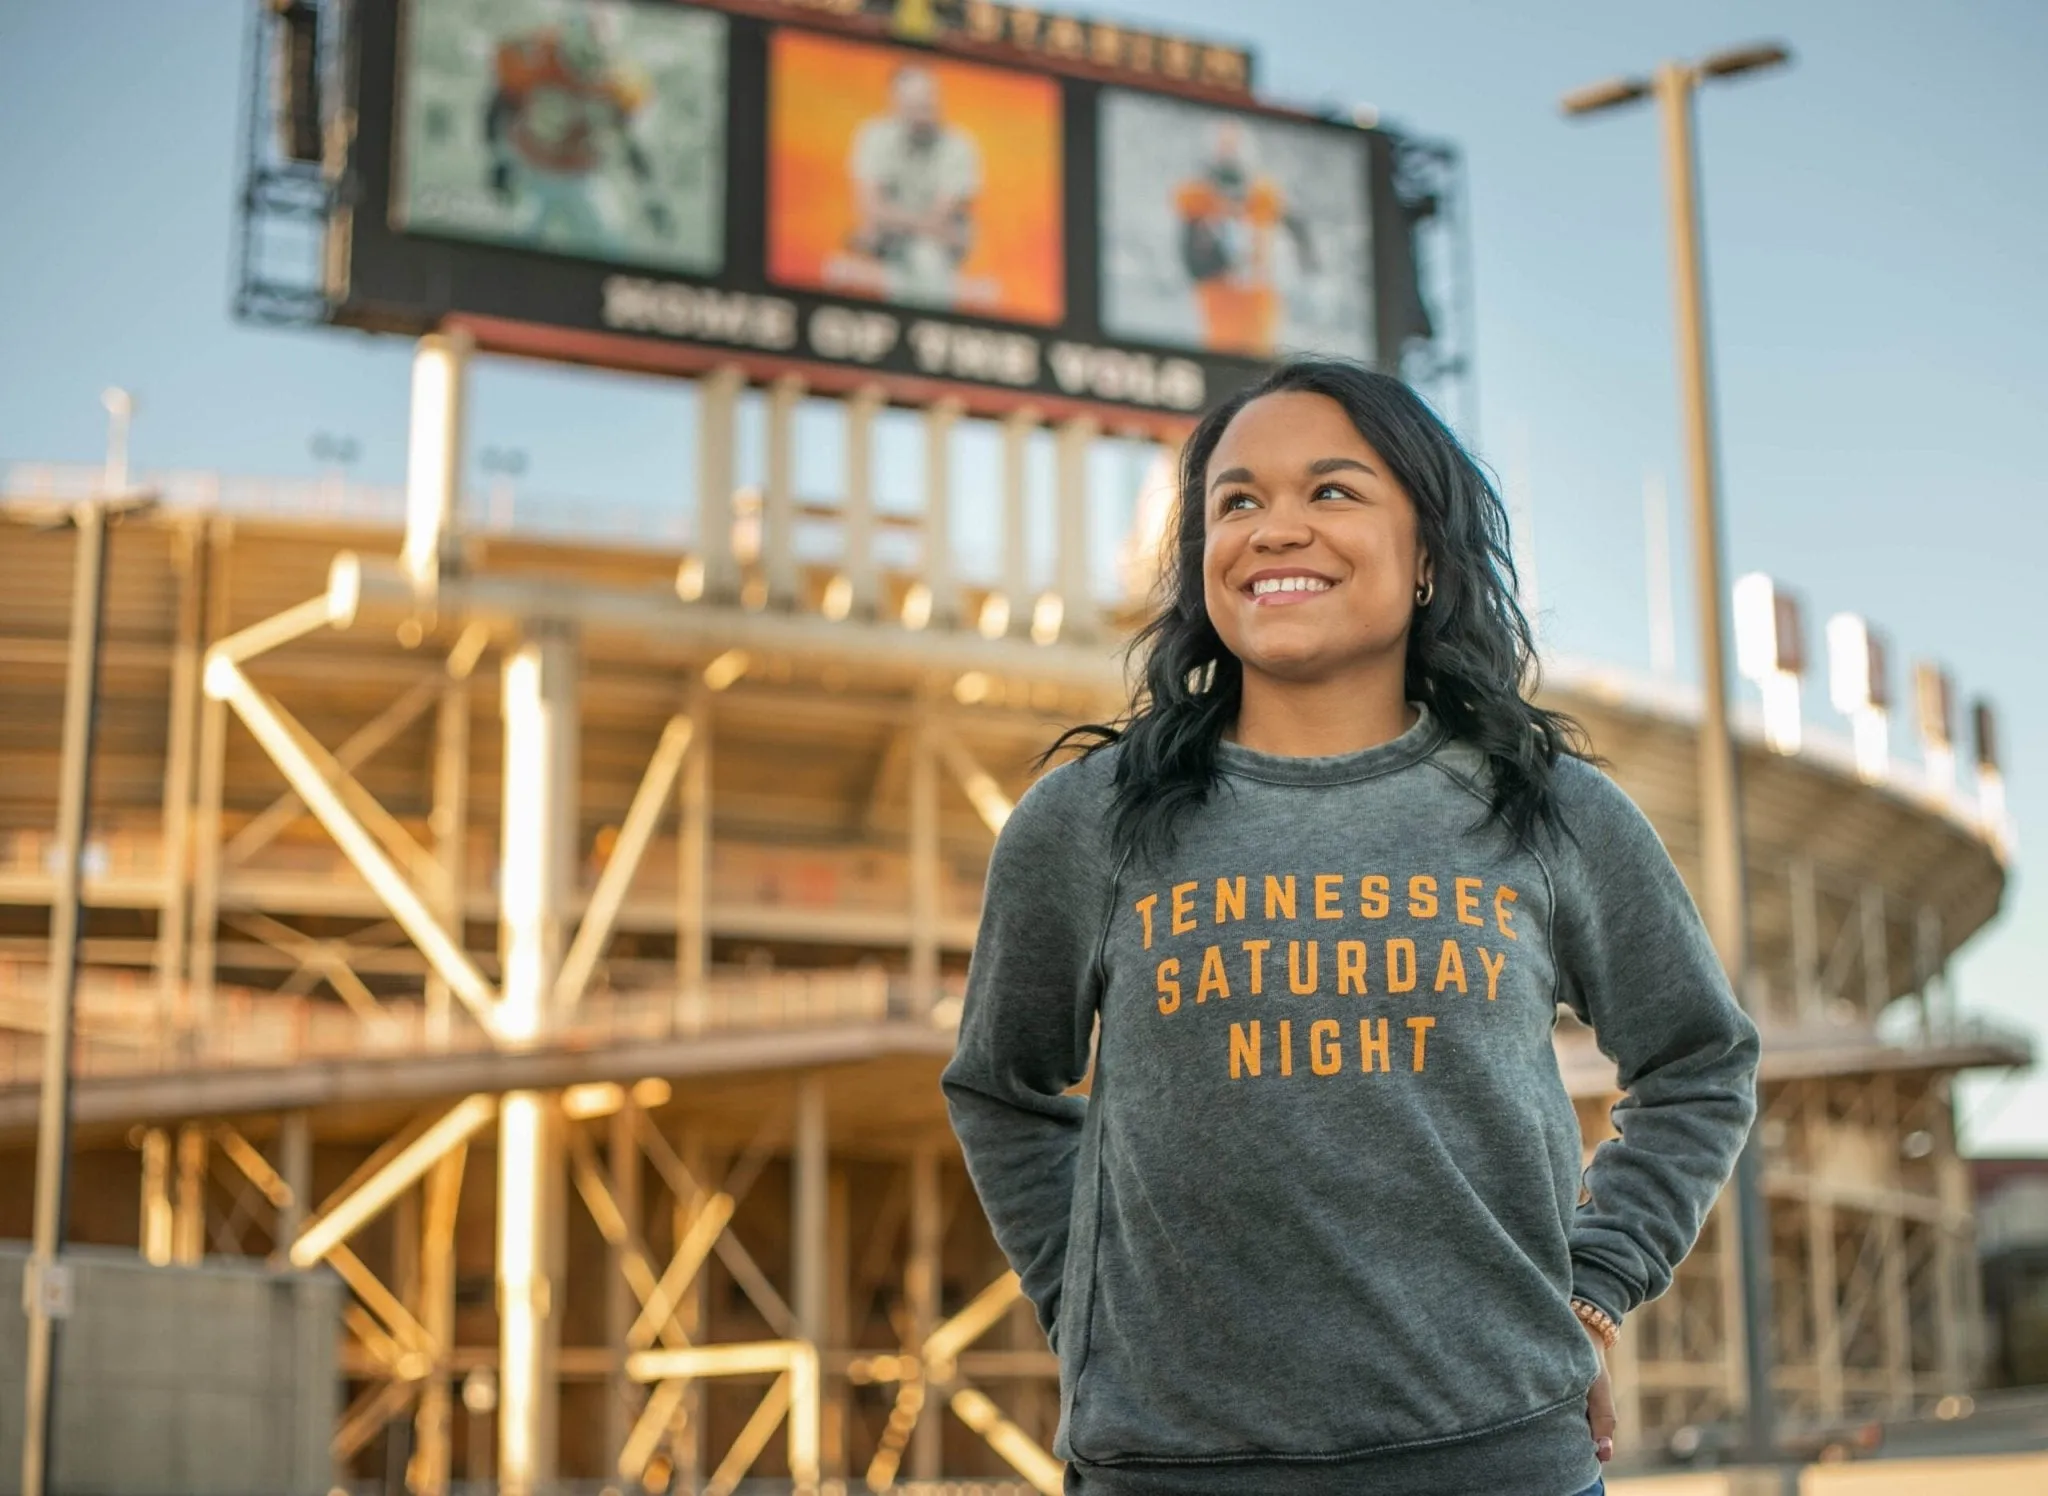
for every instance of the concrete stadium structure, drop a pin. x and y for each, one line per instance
(561, 942)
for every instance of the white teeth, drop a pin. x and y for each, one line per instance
(1288, 584)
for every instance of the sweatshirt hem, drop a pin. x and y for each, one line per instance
(1548, 1452)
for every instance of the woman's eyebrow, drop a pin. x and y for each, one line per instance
(1324, 465)
(1230, 475)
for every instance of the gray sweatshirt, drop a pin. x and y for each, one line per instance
(1318, 1222)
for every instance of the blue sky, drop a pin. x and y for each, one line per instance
(1875, 217)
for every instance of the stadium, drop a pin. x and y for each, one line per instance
(515, 968)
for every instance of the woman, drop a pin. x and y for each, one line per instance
(1319, 1226)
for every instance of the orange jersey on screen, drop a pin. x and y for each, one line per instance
(556, 109)
(1239, 308)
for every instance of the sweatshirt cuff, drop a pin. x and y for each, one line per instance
(1602, 1289)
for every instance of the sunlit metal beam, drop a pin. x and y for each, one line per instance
(338, 1221)
(642, 816)
(271, 727)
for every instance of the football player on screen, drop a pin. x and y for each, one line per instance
(1229, 217)
(558, 105)
(915, 179)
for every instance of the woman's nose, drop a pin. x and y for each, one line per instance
(1281, 532)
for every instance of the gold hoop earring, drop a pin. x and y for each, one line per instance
(1425, 592)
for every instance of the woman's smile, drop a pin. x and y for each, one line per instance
(1283, 587)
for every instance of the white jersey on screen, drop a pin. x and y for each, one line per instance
(926, 177)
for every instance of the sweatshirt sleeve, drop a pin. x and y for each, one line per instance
(1027, 1026)
(1636, 964)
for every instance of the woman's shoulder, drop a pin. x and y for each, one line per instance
(1061, 825)
(1073, 795)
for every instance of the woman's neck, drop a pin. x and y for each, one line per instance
(1321, 719)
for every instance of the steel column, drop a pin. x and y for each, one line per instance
(1017, 429)
(925, 869)
(433, 467)
(1723, 898)
(778, 494)
(67, 905)
(863, 575)
(181, 743)
(1074, 567)
(937, 561)
(921, 1290)
(717, 406)
(540, 846)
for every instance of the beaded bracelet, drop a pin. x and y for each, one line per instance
(1599, 1321)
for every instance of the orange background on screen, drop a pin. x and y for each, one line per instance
(820, 90)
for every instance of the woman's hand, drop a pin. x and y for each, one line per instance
(1600, 1408)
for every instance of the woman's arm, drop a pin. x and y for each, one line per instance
(1636, 964)
(1025, 1032)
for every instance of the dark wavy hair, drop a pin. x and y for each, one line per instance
(1471, 658)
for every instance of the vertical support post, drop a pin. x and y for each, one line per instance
(718, 396)
(921, 1291)
(862, 575)
(450, 822)
(295, 1167)
(624, 1396)
(1728, 1225)
(778, 494)
(433, 461)
(1955, 1309)
(540, 826)
(838, 1410)
(156, 1197)
(1805, 941)
(406, 1235)
(174, 913)
(1074, 569)
(1877, 976)
(693, 867)
(433, 1447)
(188, 1213)
(530, 1221)
(213, 752)
(1017, 429)
(688, 1447)
(67, 908)
(1926, 962)
(806, 1386)
(809, 1177)
(1724, 901)
(1822, 1275)
(939, 420)
(539, 858)
(1895, 1320)
(925, 869)
(809, 1201)
(810, 1285)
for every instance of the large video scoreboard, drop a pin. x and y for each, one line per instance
(944, 197)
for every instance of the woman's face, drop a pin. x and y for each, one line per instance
(1311, 560)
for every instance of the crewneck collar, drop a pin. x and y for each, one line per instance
(1411, 747)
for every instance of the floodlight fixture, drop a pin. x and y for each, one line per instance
(1934, 695)
(1734, 61)
(1859, 689)
(1610, 94)
(1770, 652)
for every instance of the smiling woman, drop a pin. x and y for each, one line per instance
(1320, 891)
(1338, 561)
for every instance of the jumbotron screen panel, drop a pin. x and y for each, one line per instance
(668, 186)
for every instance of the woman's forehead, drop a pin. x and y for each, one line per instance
(1288, 431)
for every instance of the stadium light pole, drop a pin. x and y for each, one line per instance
(46, 1283)
(1723, 897)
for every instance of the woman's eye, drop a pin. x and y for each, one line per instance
(1239, 501)
(1332, 491)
